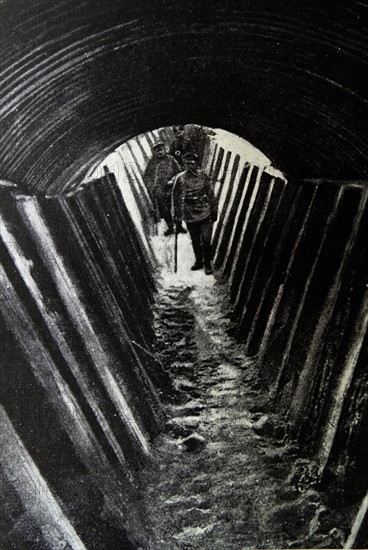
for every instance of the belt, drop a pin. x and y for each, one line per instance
(196, 199)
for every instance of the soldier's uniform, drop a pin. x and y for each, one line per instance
(194, 201)
(188, 139)
(157, 177)
(178, 146)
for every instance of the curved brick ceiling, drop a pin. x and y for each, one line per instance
(79, 78)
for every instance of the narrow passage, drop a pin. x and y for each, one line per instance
(225, 477)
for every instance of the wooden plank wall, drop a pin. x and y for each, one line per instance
(80, 385)
(79, 390)
(295, 258)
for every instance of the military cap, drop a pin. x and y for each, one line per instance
(158, 144)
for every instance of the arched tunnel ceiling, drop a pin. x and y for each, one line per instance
(79, 78)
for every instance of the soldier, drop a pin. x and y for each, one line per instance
(194, 201)
(189, 139)
(178, 146)
(195, 140)
(160, 170)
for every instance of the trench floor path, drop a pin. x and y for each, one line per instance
(220, 481)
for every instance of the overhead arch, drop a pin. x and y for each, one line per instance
(80, 78)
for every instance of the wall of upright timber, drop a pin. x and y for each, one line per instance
(79, 389)
(294, 255)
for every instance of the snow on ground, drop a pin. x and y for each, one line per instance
(222, 480)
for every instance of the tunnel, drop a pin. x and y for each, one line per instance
(148, 407)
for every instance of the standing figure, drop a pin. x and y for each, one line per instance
(178, 146)
(194, 201)
(195, 138)
(158, 179)
(189, 139)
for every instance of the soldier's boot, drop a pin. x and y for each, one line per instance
(168, 218)
(198, 264)
(207, 260)
(169, 231)
(195, 235)
(180, 228)
(208, 269)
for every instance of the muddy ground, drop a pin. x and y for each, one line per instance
(226, 476)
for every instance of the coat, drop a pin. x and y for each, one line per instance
(178, 148)
(193, 197)
(158, 174)
(193, 139)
